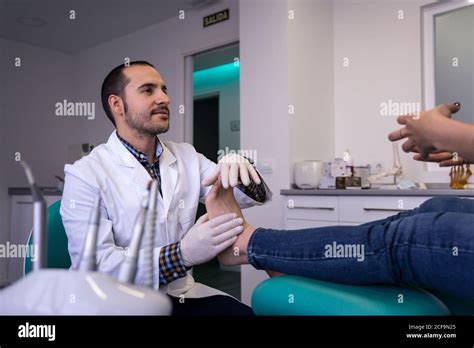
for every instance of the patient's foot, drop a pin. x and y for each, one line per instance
(220, 201)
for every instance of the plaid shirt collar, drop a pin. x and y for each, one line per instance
(139, 155)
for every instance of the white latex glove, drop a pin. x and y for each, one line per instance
(207, 238)
(231, 167)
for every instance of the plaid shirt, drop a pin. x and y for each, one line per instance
(152, 168)
(171, 262)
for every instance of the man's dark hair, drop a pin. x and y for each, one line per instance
(115, 84)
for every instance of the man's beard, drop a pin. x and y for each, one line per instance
(136, 121)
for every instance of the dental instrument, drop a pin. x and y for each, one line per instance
(83, 292)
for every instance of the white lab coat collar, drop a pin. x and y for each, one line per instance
(169, 175)
(168, 167)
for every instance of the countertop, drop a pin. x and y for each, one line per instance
(432, 190)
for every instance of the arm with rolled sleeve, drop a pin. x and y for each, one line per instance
(171, 263)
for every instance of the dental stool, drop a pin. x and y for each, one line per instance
(293, 295)
(57, 251)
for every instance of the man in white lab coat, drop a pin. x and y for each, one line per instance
(135, 99)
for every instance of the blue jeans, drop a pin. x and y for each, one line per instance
(431, 247)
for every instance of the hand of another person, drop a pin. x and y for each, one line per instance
(426, 131)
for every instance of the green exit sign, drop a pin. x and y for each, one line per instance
(216, 18)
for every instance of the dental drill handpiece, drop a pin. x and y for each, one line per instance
(46, 292)
(128, 269)
(88, 257)
(149, 235)
(40, 223)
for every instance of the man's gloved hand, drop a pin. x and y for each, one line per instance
(231, 168)
(207, 238)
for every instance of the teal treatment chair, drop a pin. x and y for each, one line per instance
(293, 295)
(57, 252)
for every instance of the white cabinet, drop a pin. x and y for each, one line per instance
(307, 212)
(21, 223)
(318, 211)
(297, 224)
(362, 209)
(309, 208)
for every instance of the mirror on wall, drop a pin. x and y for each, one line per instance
(448, 58)
(448, 55)
(454, 60)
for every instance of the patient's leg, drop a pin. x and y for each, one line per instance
(220, 201)
(431, 250)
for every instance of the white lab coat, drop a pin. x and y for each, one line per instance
(112, 172)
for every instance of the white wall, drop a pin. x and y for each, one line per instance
(160, 44)
(29, 125)
(311, 81)
(264, 107)
(384, 63)
(47, 77)
(32, 128)
(264, 96)
(336, 107)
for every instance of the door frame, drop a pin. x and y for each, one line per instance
(185, 85)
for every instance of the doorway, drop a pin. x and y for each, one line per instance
(216, 129)
(206, 126)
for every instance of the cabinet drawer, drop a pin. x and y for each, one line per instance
(312, 208)
(292, 224)
(366, 209)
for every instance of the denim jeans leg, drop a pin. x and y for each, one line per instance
(433, 205)
(433, 250)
